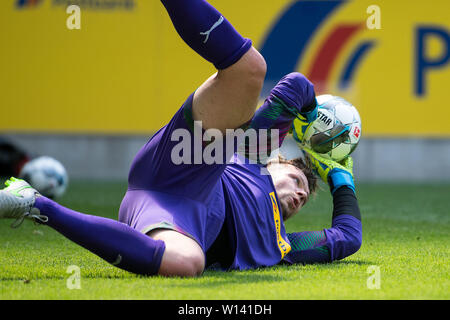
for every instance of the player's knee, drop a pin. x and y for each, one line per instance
(255, 69)
(182, 256)
(187, 264)
(195, 265)
(182, 263)
(250, 70)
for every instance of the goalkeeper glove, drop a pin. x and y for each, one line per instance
(303, 121)
(336, 174)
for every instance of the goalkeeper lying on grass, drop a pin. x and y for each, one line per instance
(177, 219)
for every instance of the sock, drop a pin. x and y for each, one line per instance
(111, 240)
(207, 32)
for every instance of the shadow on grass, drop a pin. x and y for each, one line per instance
(220, 278)
(357, 262)
(276, 274)
(209, 278)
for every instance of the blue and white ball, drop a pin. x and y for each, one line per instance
(47, 175)
(336, 132)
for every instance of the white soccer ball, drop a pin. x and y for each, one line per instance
(336, 132)
(47, 175)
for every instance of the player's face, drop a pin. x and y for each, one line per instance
(291, 186)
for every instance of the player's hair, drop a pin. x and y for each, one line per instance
(304, 164)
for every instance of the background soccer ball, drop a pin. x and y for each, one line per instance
(336, 131)
(47, 175)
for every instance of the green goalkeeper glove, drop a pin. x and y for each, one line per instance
(303, 121)
(336, 174)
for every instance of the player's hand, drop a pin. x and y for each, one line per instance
(336, 174)
(303, 122)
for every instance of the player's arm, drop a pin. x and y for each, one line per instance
(341, 240)
(344, 238)
(292, 98)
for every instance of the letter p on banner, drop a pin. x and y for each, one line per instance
(424, 61)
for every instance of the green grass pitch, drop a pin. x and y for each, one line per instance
(405, 255)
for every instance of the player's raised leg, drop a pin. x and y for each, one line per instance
(228, 98)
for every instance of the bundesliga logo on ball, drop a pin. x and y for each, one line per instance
(336, 131)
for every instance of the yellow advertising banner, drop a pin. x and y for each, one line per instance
(118, 66)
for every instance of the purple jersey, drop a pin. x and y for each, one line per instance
(254, 216)
(202, 200)
(197, 199)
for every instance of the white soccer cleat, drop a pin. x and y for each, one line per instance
(17, 201)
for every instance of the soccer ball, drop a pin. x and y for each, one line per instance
(336, 131)
(47, 175)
